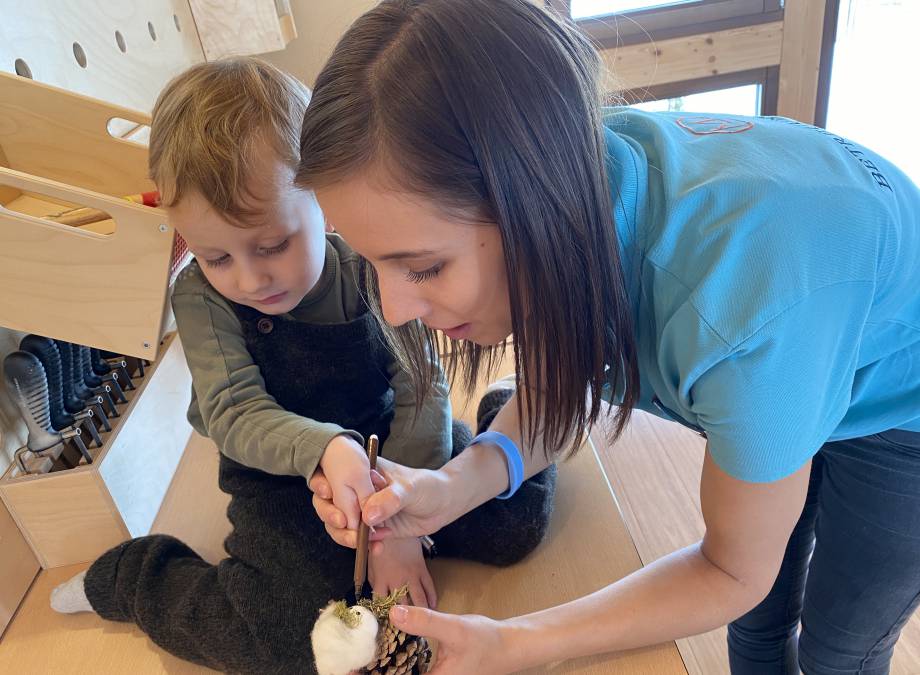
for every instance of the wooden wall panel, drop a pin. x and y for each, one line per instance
(42, 34)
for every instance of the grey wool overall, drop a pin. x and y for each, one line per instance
(253, 611)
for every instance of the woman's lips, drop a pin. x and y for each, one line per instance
(460, 332)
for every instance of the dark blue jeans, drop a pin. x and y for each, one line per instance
(851, 574)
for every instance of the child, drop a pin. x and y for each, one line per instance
(290, 374)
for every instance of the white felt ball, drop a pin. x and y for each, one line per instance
(339, 649)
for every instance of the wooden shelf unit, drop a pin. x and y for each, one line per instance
(74, 515)
(105, 285)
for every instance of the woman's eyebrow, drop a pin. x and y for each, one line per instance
(402, 255)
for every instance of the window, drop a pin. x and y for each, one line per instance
(869, 83)
(582, 9)
(744, 100)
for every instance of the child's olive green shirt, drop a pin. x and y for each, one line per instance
(229, 401)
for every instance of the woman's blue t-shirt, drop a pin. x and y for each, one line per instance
(774, 270)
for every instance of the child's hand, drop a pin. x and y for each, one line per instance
(347, 470)
(400, 562)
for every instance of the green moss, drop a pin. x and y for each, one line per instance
(346, 614)
(381, 606)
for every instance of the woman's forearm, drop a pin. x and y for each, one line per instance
(508, 422)
(679, 595)
(480, 472)
(473, 477)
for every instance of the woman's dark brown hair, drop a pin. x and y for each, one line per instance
(491, 109)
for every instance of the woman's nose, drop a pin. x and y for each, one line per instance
(399, 303)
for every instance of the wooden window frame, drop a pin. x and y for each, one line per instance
(716, 19)
(662, 23)
(767, 78)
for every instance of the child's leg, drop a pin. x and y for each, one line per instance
(501, 531)
(252, 612)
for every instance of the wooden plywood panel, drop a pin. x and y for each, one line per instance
(142, 459)
(197, 475)
(18, 567)
(53, 133)
(237, 27)
(104, 290)
(571, 563)
(697, 56)
(39, 640)
(65, 518)
(42, 34)
(13, 431)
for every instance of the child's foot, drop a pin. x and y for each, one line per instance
(496, 396)
(70, 597)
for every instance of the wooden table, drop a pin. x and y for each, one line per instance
(587, 547)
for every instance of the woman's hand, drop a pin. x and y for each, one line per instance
(410, 503)
(466, 644)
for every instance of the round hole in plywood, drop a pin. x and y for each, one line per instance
(120, 41)
(152, 31)
(79, 54)
(178, 25)
(22, 68)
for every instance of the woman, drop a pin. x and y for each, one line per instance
(755, 279)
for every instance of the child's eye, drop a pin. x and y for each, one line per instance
(275, 250)
(218, 262)
(424, 275)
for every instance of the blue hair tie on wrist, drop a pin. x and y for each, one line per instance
(512, 456)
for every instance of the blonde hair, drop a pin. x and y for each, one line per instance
(207, 121)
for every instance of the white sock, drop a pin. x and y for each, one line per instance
(506, 382)
(70, 597)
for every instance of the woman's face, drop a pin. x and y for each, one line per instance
(447, 273)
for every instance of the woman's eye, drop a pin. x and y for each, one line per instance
(275, 250)
(218, 262)
(424, 275)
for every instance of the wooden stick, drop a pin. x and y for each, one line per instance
(363, 529)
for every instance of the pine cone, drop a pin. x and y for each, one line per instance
(399, 653)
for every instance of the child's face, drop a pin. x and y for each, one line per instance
(270, 266)
(449, 274)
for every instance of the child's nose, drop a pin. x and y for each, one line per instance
(251, 279)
